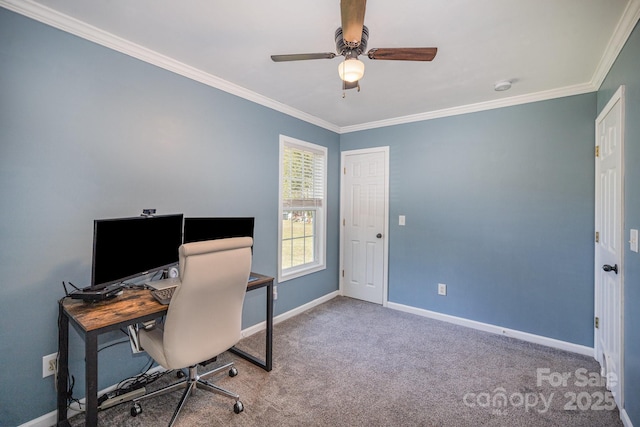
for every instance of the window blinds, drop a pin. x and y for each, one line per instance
(303, 178)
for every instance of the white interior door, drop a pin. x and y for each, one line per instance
(364, 218)
(609, 338)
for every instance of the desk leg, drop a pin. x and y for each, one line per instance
(91, 378)
(268, 363)
(269, 346)
(63, 366)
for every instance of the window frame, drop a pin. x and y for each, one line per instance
(320, 220)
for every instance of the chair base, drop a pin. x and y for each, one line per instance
(190, 385)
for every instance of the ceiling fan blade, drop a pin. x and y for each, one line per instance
(352, 12)
(302, 56)
(404, 53)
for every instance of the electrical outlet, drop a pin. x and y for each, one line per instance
(442, 289)
(633, 240)
(49, 364)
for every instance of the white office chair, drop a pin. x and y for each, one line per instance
(204, 318)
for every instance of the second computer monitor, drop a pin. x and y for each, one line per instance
(201, 229)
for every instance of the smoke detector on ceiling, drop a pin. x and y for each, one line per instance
(502, 86)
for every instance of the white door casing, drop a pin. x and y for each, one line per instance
(364, 219)
(609, 247)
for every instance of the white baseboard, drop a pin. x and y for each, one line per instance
(50, 419)
(47, 420)
(289, 314)
(524, 336)
(626, 421)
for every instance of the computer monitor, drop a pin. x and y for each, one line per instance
(201, 229)
(124, 248)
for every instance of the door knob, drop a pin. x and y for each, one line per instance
(379, 235)
(607, 268)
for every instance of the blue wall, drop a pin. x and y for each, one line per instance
(85, 133)
(626, 71)
(498, 206)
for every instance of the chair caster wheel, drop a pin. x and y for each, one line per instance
(180, 373)
(136, 410)
(233, 372)
(238, 407)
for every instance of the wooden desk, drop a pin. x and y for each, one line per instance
(133, 306)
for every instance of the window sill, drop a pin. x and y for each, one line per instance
(303, 271)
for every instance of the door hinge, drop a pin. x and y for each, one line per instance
(344, 171)
(597, 237)
(342, 273)
(344, 222)
(597, 322)
(597, 151)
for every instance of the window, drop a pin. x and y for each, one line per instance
(303, 191)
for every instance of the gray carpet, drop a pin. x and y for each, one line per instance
(351, 363)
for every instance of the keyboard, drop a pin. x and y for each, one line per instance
(163, 296)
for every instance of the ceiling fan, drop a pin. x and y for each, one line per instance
(351, 41)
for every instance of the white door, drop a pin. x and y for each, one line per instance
(610, 244)
(364, 189)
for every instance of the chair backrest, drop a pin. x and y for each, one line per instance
(204, 317)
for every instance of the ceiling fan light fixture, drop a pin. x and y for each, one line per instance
(351, 70)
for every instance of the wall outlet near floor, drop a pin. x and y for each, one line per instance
(49, 364)
(442, 289)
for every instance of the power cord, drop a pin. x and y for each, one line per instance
(134, 383)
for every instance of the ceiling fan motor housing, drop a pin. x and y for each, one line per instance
(351, 51)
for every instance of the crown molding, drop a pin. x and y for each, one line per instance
(83, 30)
(623, 30)
(627, 23)
(474, 108)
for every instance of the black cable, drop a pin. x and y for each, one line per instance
(70, 399)
(133, 383)
(124, 386)
(150, 364)
(114, 343)
(134, 286)
(71, 380)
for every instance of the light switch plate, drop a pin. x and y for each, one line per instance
(401, 220)
(633, 240)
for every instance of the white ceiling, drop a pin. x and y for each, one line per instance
(547, 48)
